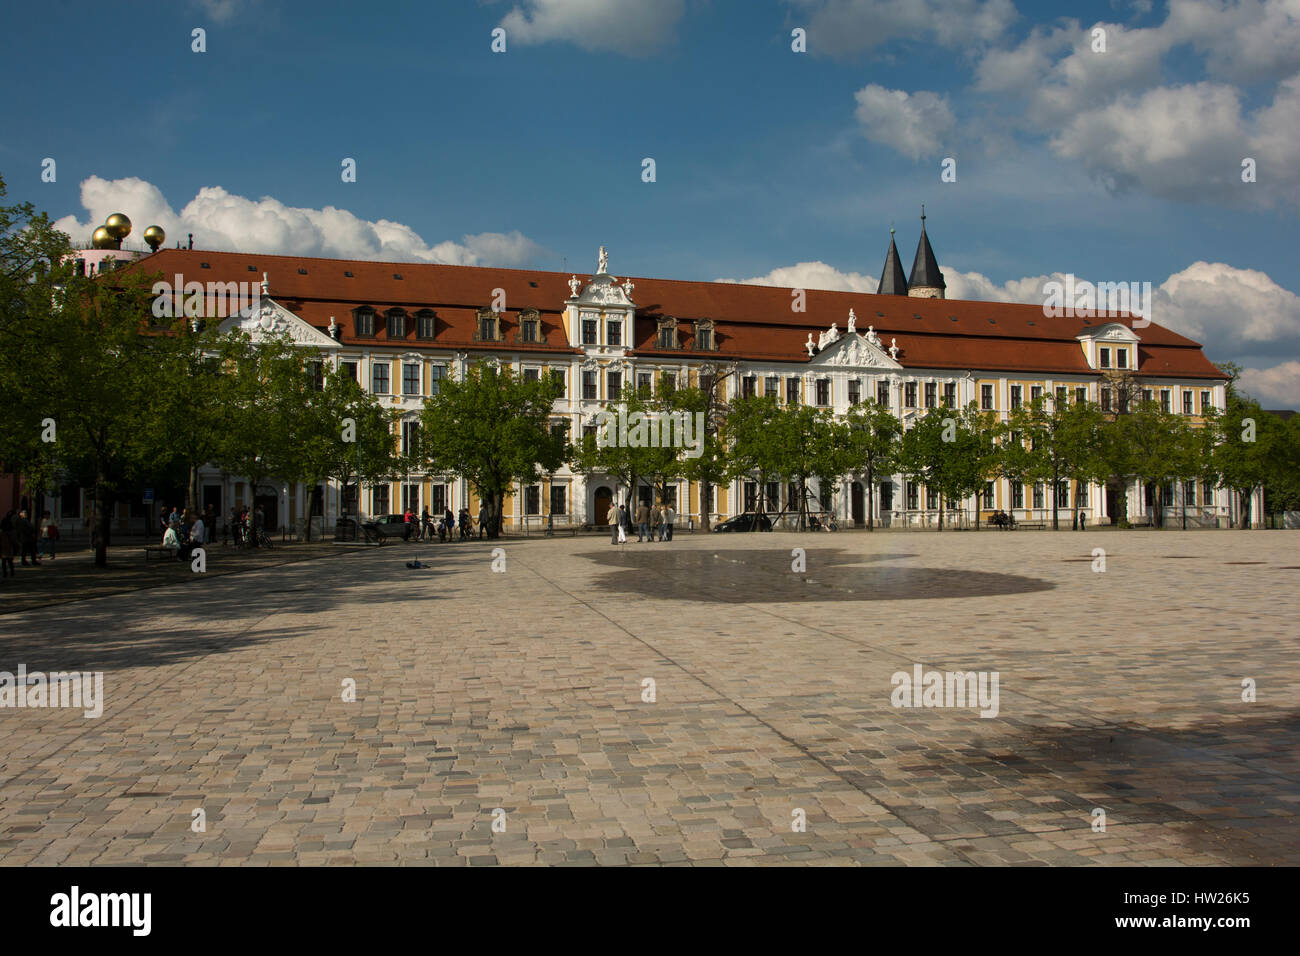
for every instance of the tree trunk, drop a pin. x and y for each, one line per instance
(103, 515)
(1056, 497)
(871, 504)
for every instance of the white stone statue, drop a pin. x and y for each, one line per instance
(628, 286)
(809, 345)
(872, 337)
(853, 322)
(893, 348)
(574, 285)
(602, 262)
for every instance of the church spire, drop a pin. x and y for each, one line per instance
(926, 281)
(892, 281)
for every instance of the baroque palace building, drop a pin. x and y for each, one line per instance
(402, 328)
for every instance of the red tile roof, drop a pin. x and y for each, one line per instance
(751, 322)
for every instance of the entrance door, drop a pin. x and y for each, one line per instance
(604, 497)
(856, 504)
(1112, 503)
(270, 510)
(886, 496)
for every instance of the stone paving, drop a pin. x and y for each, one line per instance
(523, 691)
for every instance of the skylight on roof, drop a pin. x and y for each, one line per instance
(397, 275)
(302, 271)
(348, 274)
(252, 268)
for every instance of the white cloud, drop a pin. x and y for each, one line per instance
(630, 27)
(814, 275)
(914, 124)
(1276, 387)
(842, 27)
(225, 222)
(220, 11)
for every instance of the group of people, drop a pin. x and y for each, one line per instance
(652, 523)
(184, 530)
(246, 527)
(18, 535)
(446, 528)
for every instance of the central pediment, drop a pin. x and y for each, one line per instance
(269, 318)
(855, 350)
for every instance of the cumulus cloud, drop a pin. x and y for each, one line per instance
(914, 124)
(813, 275)
(630, 27)
(226, 222)
(842, 27)
(1276, 387)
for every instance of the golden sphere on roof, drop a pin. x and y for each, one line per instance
(118, 226)
(102, 240)
(155, 236)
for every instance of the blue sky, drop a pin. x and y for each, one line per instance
(771, 165)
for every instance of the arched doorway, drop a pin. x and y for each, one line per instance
(604, 497)
(857, 505)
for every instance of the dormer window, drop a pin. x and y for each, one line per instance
(1121, 358)
(704, 335)
(396, 323)
(1103, 360)
(425, 325)
(489, 325)
(364, 319)
(530, 327)
(667, 335)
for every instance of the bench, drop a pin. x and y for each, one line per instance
(1040, 525)
(157, 550)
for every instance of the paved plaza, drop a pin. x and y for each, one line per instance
(524, 690)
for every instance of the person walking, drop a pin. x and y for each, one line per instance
(26, 532)
(408, 518)
(642, 522)
(482, 519)
(448, 523)
(426, 524)
(656, 523)
(7, 545)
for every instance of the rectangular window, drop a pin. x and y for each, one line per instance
(1206, 407)
(379, 377)
(365, 324)
(748, 384)
(589, 386)
(532, 500)
(588, 331)
(396, 325)
(317, 370)
(528, 330)
(424, 327)
(560, 430)
(704, 338)
(559, 500)
(771, 387)
(1146, 395)
(644, 383)
(560, 379)
(988, 494)
(1189, 493)
(1063, 494)
(666, 339)
(1081, 394)
(750, 496)
(912, 496)
(436, 375)
(1105, 358)
(410, 437)
(909, 395)
(1017, 393)
(772, 496)
(931, 499)
(410, 378)
(1017, 495)
(882, 393)
(855, 391)
(1081, 494)
(1165, 399)
(1121, 358)
(986, 397)
(931, 394)
(437, 499)
(532, 374)
(792, 391)
(1187, 402)
(1038, 495)
(613, 384)
(1035, 392)
(379, 499)
(411, 498)
(950, 394)
(823, 391)
(352, 369)
(487, 328)
(1062, 395)
(613, 332)
(1207, 494)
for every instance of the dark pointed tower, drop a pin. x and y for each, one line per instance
(892, 281)
(926, 281)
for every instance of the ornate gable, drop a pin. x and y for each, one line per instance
(856, 350)
(269, 318)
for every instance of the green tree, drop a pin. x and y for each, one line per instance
(872, 446)
(492, 427)
(1247, 450)
(944, 452)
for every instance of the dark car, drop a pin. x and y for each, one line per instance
(746, 522)
(388, 526)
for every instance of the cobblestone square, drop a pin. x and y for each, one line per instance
(525, 691)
